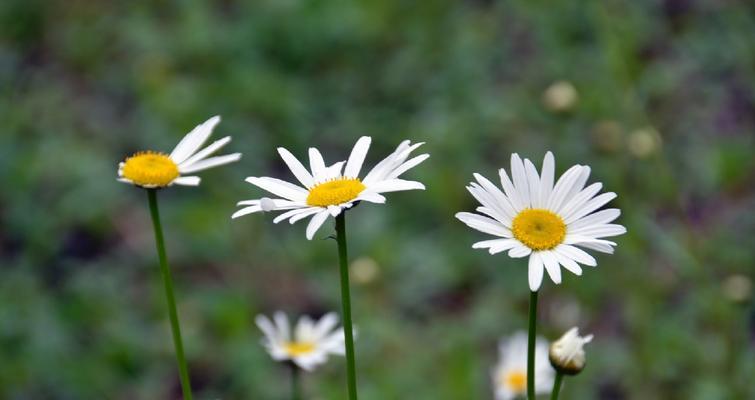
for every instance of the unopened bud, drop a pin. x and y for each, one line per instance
(567, 354)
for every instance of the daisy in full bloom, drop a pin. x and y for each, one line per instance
(510, 374)
(329, 190)
(549, 223)
(151, 169)
(309, 346)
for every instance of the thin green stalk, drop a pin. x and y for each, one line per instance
(557, 386)
(295, 382)
(346, 302)
(531, 347)
(183, 370)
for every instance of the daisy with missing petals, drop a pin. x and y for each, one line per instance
(150, 169)
(549, 223)
(510, 375)
(328, 190)
(309, 346)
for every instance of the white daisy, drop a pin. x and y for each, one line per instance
(567, 354)
(549, 223)
(150, 169)
(311, 344)
(327, 191)
(510, 374)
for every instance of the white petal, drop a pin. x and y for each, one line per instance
(210, 163)
(325, 324)
(576, 254)
(193, 140)
(520, 251)
(370, 196)
(281, 322)
(315, 223)
(407, 166)
(511, 192)
(546, 178)
(300, 216)
(296, 168)
(600, 217)
(533, 183)
(187, 181)
(394, 185)
(563, 187)
(578, 201)
(592, 205)
(289, 214)
(599, 231)
(200, 155)
(334, 171)
(535, 271)
(498, 200)
(267, 328)
(384, 168)
(519, 177)
(601, 247)
(484, 224)
(567, 262)
(356, 159)
(496, 245)
(334, 210)
(551, 265)
(316, 164)
(579, 183)
(246, 211)
(280, 188)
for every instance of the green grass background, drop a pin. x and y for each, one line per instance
(665, 115)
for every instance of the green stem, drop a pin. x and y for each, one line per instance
(531, 347)
(295, 382)
(557, 386)
(183, 370)
(346, 302)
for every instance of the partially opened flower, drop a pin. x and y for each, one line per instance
(567, 354)
(328, 190)
(310, 344)
(150, 169)
(510, 374)
(549, 223)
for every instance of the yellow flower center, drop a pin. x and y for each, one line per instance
(539, 229)
(337, 191)
(299, 348)
(516, 381)
(150, 168)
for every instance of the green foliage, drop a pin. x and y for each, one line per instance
(664, 115)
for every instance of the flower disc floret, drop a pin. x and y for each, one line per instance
(539, 229)
(150, 169)
(299, 348)
(335, 192)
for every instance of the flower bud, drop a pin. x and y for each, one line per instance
(567, 354)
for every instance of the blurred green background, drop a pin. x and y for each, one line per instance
(657, 96)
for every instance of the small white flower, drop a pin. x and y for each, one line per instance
(311, 343)
(510, 375)
(152, 169)
(549, 223)
(567, 354)
(327, 191)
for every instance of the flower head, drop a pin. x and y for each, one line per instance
(510, 374)
(567, 354)
(309, 346)
(549, 223)
(328, 190)
(150, 169)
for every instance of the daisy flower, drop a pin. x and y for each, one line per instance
(151, 169)
(311, 344)
(328, 190)
(510, 374)
(549, 223)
